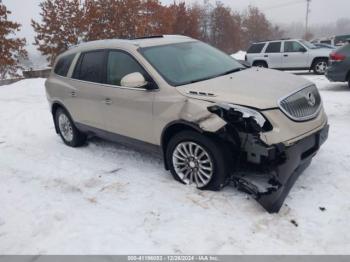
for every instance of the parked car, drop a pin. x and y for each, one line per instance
(339, 69)
(338, 40)
(322, 45)
(213, 120)
(291, 54)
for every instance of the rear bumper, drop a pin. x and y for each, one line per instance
(283, 166)
(336, 73)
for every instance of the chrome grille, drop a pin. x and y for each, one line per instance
(302, 105)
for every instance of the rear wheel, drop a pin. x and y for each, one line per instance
(320, 66)
(260, 64)
(70, 135)
(197, 159)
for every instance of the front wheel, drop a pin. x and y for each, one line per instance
(320, 66)
(70, 135)
(197, 159)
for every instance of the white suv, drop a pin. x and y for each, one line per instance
(291, 54)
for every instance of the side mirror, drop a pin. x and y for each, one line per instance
(134, 80)
(302, 49)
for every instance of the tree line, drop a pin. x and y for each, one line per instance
(65, 23)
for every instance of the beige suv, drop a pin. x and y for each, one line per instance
(213, 120)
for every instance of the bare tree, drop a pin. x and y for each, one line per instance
(11, 48)
(225, 29)
(60, 27)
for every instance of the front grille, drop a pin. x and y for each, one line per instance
(302, 105)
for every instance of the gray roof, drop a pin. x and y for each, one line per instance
(129, 44)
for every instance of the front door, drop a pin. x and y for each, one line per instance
(128, 111)
(295, 55)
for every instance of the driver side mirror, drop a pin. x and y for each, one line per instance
(134, 80)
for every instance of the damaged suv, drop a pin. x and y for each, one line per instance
(213, 120)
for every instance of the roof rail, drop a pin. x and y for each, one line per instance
(147, 37)
(270, 40)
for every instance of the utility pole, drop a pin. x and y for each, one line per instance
(307, 16)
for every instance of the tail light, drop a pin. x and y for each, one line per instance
(246, 58)
(335, 57)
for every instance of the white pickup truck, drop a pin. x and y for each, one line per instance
(290, 54)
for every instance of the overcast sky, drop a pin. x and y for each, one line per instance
(280, 11)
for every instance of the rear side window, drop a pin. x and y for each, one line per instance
(274, 47)
(256, 48)
(91, 67)
(121, 64)
(63, 65)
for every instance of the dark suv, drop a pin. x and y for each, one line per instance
(339, 68)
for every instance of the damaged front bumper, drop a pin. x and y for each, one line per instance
(273, 170)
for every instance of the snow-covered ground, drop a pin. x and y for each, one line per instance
(108, 199)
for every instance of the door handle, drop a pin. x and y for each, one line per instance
(266, 56)
(73, 94)
(108, 101)
(285, 55)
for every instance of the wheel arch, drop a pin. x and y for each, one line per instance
(316, 59)
(54, 107)
(173, 128)
(260, 60)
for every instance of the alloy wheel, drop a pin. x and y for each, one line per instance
(65, 127)
(193, 164)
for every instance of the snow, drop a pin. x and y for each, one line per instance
(240, 55)
(108, 199)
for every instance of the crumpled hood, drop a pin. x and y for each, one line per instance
(255, 87)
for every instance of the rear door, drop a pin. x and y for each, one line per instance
(295, 55)
(273, 54)
(87, 100)
(255, 52)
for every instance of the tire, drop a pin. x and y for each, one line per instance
(214, 158)
(320, 66)
(70, 135)
(260, 64)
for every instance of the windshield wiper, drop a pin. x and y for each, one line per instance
(215, 76)
(232, 71)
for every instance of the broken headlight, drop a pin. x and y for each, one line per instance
(247, 118)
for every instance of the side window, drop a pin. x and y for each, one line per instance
(256, 48)
(121, 64)
(274, 47)
(293, 47)
(91, 67)
(63, 65)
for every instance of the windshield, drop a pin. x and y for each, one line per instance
(189, 62)
(308, 44)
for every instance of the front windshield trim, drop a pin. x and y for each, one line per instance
(174, 84)
(308, 44)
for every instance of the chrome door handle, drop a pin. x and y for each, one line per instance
(108, 101)
(73, 94)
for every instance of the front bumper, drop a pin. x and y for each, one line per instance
(281, 168)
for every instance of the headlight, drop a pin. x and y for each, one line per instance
(247, 113)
